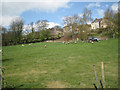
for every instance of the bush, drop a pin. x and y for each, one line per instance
(100, 30)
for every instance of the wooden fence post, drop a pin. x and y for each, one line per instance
(102, 68)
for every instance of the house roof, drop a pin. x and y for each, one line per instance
(97, 20)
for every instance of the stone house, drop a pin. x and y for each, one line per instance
(68, 28)
(55, 31)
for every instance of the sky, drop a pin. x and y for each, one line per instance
(53, 11)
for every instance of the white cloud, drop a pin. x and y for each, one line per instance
(52, 24)
(93, 5)
(6, 20)
(13, 9)
(114, 7)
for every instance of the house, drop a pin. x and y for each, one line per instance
(56, 31)
(69, 28)
(98, 23)
(103, 23)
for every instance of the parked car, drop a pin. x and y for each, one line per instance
(93, 39)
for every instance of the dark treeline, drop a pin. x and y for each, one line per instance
(19, 34)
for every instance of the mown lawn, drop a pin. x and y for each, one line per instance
(60, 65)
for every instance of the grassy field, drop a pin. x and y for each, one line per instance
(60, 65)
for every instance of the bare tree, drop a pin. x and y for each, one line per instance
(86, 16)
(84, 27)
(32, 28)
(67, 20)
(74, 21)
(17, 28)
(42, 25)
(38, 25)
(71, 22)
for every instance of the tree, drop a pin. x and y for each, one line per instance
(70, 20)
(42, 25)
(17, 27)
(4, 35)
(84, 27)
(111, 19)
(86, 16)
(32, 27)
(83, 32)
(38, 25)
(44, 34)
(72, 23)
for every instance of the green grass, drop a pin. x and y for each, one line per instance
(60, 65)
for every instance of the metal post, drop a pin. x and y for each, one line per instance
(96, 76)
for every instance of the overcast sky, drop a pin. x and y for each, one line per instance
(53, 11)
